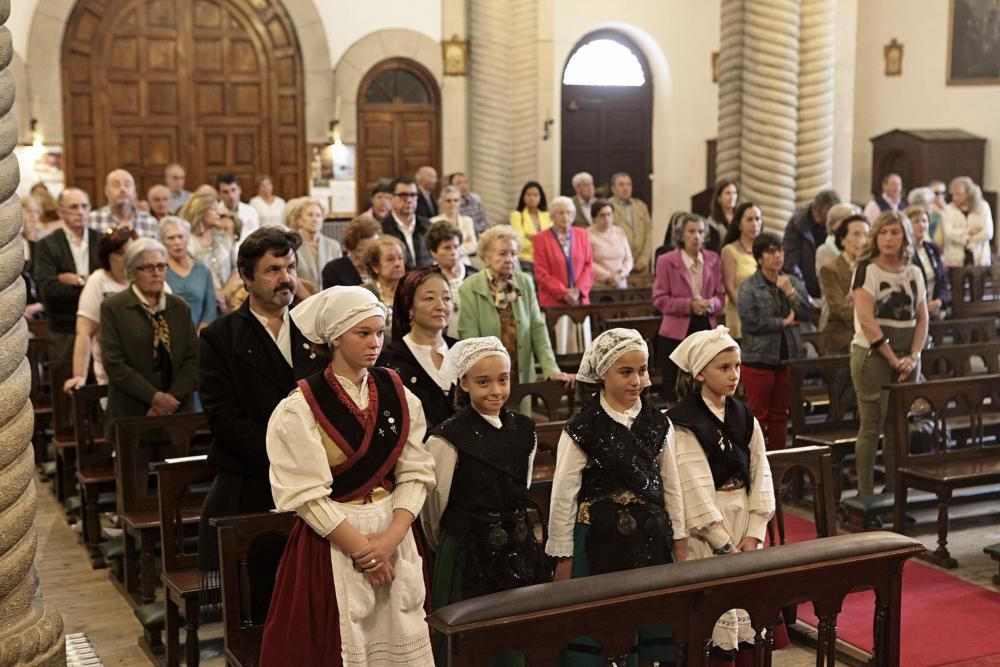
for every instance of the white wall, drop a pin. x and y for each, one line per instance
(19, 24)
(678, 38)
(347, 21)
(919, 99)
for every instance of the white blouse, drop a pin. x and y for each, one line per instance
(445, 458)
(570, 462)
(699, 515)
(422, 353)
(300, 472)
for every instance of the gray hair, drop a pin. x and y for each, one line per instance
(496, 233)
(136, 249)
(175, 221)
(562, 201)
(838, 213)
(974, 191)
(615, 176)
(580, 177)
(825, 199)
(921, 197)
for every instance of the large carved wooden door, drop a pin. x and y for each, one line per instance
(399, 123)
(213, 84)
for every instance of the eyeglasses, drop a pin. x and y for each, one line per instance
(150, 268)
(940, 193)
(405, 195)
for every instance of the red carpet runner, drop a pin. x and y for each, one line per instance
(946, 621)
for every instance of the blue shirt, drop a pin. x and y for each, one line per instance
(197, 290)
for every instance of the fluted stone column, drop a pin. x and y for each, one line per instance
(770, 107)
(30, 633)
(729, 148)
(817, 51)
(503, 101)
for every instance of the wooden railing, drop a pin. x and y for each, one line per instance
(540, 620)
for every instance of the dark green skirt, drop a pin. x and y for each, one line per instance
(652, 642)
(446, 589)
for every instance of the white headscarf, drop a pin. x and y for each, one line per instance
(605, 350)
(695, 351)
(465, 353)
(328, 315)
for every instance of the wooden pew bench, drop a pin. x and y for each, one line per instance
(975, 291)
(600, 314)
(965, 446)
(182, 485)
(993, 551)
(63, 438)
(250, 548)
(138, 442)
(41, 396)
(95, 466)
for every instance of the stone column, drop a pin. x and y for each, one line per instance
(30, 633)
(817, 50)
(729, 148)
(503, 102)
(770, 108)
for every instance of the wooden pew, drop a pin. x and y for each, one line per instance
(139, 441)
(250, 548)
(540, 620)
(63, 438)
(548, 435)
(939, 332)
(616, 295)
(970, 412)
(41, 396)
(599, 314)
(182, 485)
(817, 462)
(95, 466)
(975, 291)
(549, 394)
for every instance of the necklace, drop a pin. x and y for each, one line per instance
(748, 251)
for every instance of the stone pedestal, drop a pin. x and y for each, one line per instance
(30, 633)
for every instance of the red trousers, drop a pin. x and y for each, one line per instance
(767, 393)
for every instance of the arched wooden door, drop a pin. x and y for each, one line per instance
(213, 84)
(607, 112)
(399, 123)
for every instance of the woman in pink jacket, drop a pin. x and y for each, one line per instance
(564, 262)
(688, 291)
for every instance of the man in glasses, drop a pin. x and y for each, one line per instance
(404, 223)
(63, 260)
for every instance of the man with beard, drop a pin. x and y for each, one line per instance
(250, 360)
(119, 188)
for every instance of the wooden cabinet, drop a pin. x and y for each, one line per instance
(920, 156)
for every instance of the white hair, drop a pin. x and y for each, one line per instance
(136, 249)
(169, 220)
(562, 201)
(580, 177)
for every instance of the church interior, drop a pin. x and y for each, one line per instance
(326, 114)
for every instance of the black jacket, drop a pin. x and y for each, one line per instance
(242, 379)
(438, 406)
(52, 257)
(942, 284)
(340, 271)
(420, 228)
(426, 206)
(799, 245)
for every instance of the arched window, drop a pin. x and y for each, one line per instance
(397, 84)
(603, 62)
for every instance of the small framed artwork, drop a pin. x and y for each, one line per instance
(456, 56)
(973, 43)
(893, 58)
(715, 67)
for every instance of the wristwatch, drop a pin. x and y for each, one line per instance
(723, 550)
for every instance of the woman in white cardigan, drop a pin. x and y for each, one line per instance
(968, 225)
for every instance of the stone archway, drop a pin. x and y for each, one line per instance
(48, 26)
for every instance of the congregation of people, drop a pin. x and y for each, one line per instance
(363, 383)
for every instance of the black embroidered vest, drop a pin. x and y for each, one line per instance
(491, 473)
(726, 444)
(372, 449)
(620, 459)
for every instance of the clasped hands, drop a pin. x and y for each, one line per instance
(373, 559)
(904, 366)
(700, 306)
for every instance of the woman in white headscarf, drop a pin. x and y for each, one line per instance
(727, 495)
(477, 519)
(346, 455)
(615, 488)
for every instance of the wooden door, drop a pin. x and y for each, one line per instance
(213, 84)
(607, 129)
(399, 123)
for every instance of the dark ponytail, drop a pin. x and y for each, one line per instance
(686, 384)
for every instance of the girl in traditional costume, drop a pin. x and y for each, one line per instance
(727, 497)
(615, 486)
(476, 519)
(347, 455)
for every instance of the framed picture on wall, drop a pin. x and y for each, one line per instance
(973, 43)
